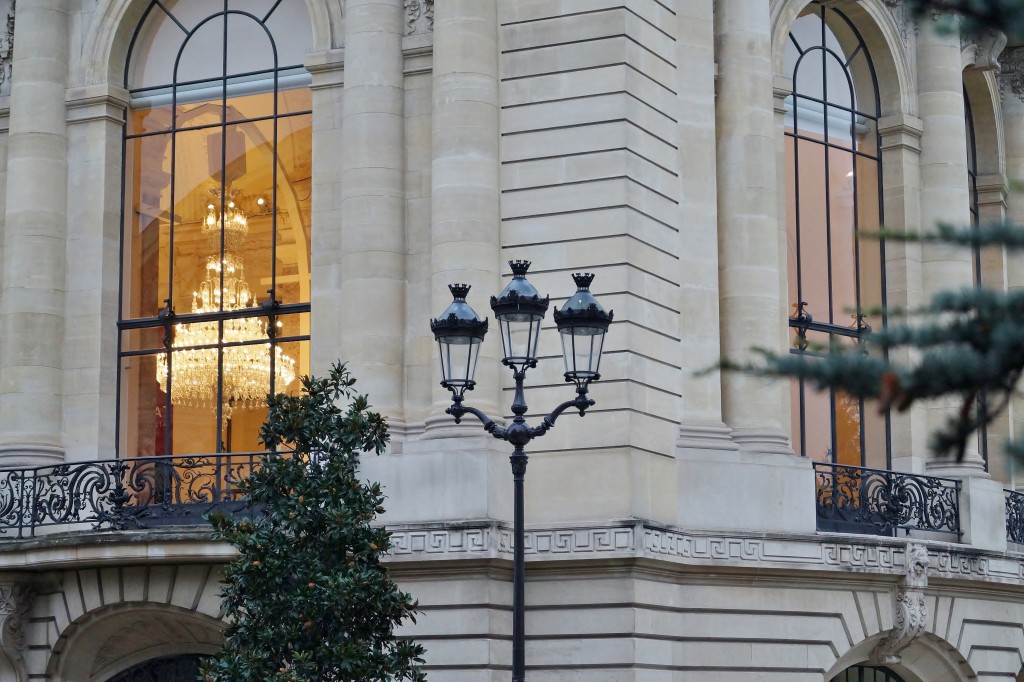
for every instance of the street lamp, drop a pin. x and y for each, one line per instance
(582, 323)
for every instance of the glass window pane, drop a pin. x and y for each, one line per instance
(146, 339)
(196, 248)
(249, 46)
(143, 408)
(294, 208)
(837, 84)
(146, 118)
(202, 56)
(813, 248)
(842, 240)
(147, 197)
(156, 46)
(293, 32)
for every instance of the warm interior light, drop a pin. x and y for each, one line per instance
(246, 368)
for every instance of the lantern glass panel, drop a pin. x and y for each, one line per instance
(581, 350)
(458, 359)
(520, 334)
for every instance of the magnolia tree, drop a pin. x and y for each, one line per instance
(308, 598)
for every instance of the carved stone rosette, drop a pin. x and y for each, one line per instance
(15, 601)
(419, 16)
(909, 610)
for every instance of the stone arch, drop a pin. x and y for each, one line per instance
(111, 640)
(885, 40)
(927, 659)
(106, 620)
(983, 90)
(110, 31)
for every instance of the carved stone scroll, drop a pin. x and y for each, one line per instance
(983, 50)
(6, 46)
(1011, 72)
(15, 601)
(909, 609)
(419, 16)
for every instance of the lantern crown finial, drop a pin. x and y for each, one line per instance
(519, 267)
(459, 291)
(583, 280)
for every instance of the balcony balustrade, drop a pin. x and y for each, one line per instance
(852, 499)
(122, 494)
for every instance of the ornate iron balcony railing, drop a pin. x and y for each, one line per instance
(851, 499)
(1014, 516)
(121, 494)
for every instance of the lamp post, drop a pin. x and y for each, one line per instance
(582, 323)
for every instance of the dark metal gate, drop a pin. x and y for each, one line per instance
(169, 669)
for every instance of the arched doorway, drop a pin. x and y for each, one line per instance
(865, 673)
(183, 668)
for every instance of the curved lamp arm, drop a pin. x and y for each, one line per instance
(581, 402)
(458, 410)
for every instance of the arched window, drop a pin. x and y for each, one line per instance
(865, 673)
(214, 306)
(833, 190)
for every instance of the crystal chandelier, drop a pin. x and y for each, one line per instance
(247, 368)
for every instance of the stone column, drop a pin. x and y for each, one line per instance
(372, 274)
(95, 120)
(35, 227)
(465, 222)
(900, 136)
(327, 69)
(701, 425)
(944, 190)
(749, 258)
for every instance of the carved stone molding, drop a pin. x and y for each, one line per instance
(491, 540)
(983, 50)
(1011, 72)
(900, 15)
(419, 16)
(15, 601)
(6, 46)
(909, 609)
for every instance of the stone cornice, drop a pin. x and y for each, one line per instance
(760, 553)
(901, 131)
(96, 102)
(424, 544)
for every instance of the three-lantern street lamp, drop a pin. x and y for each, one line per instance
(582, 324)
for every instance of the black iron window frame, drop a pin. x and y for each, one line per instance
(272, 309)
(801, 321)
(867, 673)
(975, 208)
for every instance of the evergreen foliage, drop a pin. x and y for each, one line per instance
(308, 599)
(977, 16)
(967, 343)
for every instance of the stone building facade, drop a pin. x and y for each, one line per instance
(202, 199)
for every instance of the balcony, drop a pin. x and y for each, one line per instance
(852, 499)
(121, 494)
